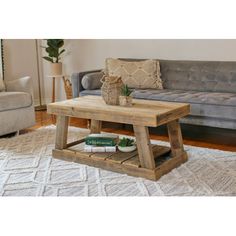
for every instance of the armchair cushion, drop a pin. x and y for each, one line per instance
(14, 100)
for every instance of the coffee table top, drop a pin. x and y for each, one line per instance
(143, 112)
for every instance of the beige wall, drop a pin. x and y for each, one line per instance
(20, 59)
(87, 54)
(90, 54)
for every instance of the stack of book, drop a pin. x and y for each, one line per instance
(101, 143)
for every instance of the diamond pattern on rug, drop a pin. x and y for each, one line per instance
(28, 169)
(123, 189)
(21, 163)
(66, 176)
(73, 191)
(23, 177)
(20, 192)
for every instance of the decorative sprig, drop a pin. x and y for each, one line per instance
(126, 142)
(125, 91)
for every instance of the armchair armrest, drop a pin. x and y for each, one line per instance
(23, 84)
(76, 79)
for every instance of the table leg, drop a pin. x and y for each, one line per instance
(145, 153)
(61, 132)
(176, 140)
(95, 127)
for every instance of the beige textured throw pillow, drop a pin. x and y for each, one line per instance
(2, 86)
(136, 74)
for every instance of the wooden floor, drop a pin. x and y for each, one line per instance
(43, 119)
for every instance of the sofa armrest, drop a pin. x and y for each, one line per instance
(20, 85)
(76, 79)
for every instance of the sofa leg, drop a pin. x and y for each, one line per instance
(17, 133)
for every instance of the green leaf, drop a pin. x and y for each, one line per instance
(55, 43)
(52, 48)
(60, 43)
(52, 43)
(48, 59)
(126, 142)
(125, 91)
(52, 52)
(63, 50)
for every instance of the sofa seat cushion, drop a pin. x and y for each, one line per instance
(214, 105)
(207, 104)
(96, 92)
(210, 98)
(14, 100)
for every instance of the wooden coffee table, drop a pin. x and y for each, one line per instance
(148, 161)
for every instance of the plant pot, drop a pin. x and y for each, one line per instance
(125, 101)
(127, 149)
(56, 68)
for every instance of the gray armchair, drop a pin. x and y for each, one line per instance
(16, 106)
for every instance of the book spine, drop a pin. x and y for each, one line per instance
(100, 142)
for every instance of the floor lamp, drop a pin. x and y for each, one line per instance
(41, 107)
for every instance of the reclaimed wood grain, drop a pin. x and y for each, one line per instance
(157, 150)
(145, 153)
(120, 157)
(61, 131)
(95, 126)
(175, 137)
(143, 112)
(75, 142)
(149, 161)
(130, 166)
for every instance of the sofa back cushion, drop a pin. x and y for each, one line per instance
(206, 76)
(143, 74)
(92, 81)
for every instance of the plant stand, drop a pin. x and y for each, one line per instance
(67, 86)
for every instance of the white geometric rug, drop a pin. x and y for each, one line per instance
(28, 169)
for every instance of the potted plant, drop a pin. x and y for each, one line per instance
(125, 99)
(54, 52)
(126, 145)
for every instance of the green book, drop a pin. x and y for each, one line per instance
(101, 140)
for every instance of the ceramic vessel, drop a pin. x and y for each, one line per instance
(127, 149)
(125, 101)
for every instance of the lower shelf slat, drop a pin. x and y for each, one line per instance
(129, 158)
(124, 162)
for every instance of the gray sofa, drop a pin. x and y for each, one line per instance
(16, 106)
(209, 87)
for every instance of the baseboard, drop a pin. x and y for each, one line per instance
(190, 132)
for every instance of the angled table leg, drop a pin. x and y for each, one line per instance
(95, 127)
(145, 153)
(176, 140)
(61, 132)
